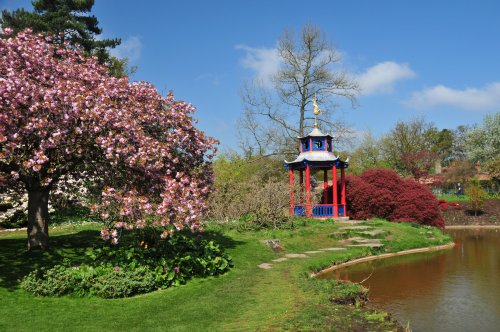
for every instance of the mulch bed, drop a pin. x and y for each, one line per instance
(489, 215)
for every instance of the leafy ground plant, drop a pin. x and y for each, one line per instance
(131, 268)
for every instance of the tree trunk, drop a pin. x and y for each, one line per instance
(38, 218)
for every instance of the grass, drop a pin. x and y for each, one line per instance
(247, 298)
(454, 198)
(464, 198)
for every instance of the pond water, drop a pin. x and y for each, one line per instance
(451, 290)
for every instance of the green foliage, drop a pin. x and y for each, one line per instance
(344, 292)
(338, 291)
(442, 143)
(410, 148)
(64, 19)
(250, 193)
(56, 281)
(191, 255)
(73, 215)
(124, 271)
(231, 168)
(125, 283)
(408, 138)
(477, 196)
(87, 280)
(454, 198)
(368, 154)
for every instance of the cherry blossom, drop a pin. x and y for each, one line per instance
(62, 114)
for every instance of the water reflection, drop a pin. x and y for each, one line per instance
(453, 290)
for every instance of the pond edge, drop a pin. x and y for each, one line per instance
(472, 226)
(382, 256)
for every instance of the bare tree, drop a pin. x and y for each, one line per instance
(308, 70)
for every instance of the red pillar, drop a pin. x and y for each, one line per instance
(325, 186)
(342, 181)
(335, 194)
(292, 183)
(301, 188)
(308, 191)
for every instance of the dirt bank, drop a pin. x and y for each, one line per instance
(489, 215)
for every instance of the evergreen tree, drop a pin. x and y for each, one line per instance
(69, 21)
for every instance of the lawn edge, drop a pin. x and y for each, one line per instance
(472, 226)
(382, 256)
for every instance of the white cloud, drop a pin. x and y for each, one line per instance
(475, 99)
(129, 48)
(215, 80)
(382, 77)
(265, 62)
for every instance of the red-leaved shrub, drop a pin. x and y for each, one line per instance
(382, 193)
(444, 205)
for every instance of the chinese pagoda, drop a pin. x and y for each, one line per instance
(316, 154)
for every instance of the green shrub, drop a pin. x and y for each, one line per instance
(125, 283)
(477, 196)
(56, 281)
(345, 292)
(190, 254)
(126, 270)
(338, 291)
(87, 280)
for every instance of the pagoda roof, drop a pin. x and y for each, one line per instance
(314, 156)
(316, 133)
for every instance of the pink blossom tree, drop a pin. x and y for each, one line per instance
(63, 114)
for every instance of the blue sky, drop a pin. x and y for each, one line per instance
(437, 59)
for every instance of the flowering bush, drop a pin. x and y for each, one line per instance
(13, 209)
(382, 193)
(62, 114)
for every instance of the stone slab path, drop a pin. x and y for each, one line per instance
(347, 228)
(356, 241)
(370, 245)
(332, 249)
(296, 256)
(282, 259)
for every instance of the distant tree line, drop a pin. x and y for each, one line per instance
(417, 148)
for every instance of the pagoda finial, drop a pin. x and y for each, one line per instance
(316, 112)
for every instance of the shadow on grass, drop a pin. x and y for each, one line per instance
(224, 241)
(16, 262)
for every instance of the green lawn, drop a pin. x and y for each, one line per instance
(463, 198)
(247, 298)
(454, 198)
